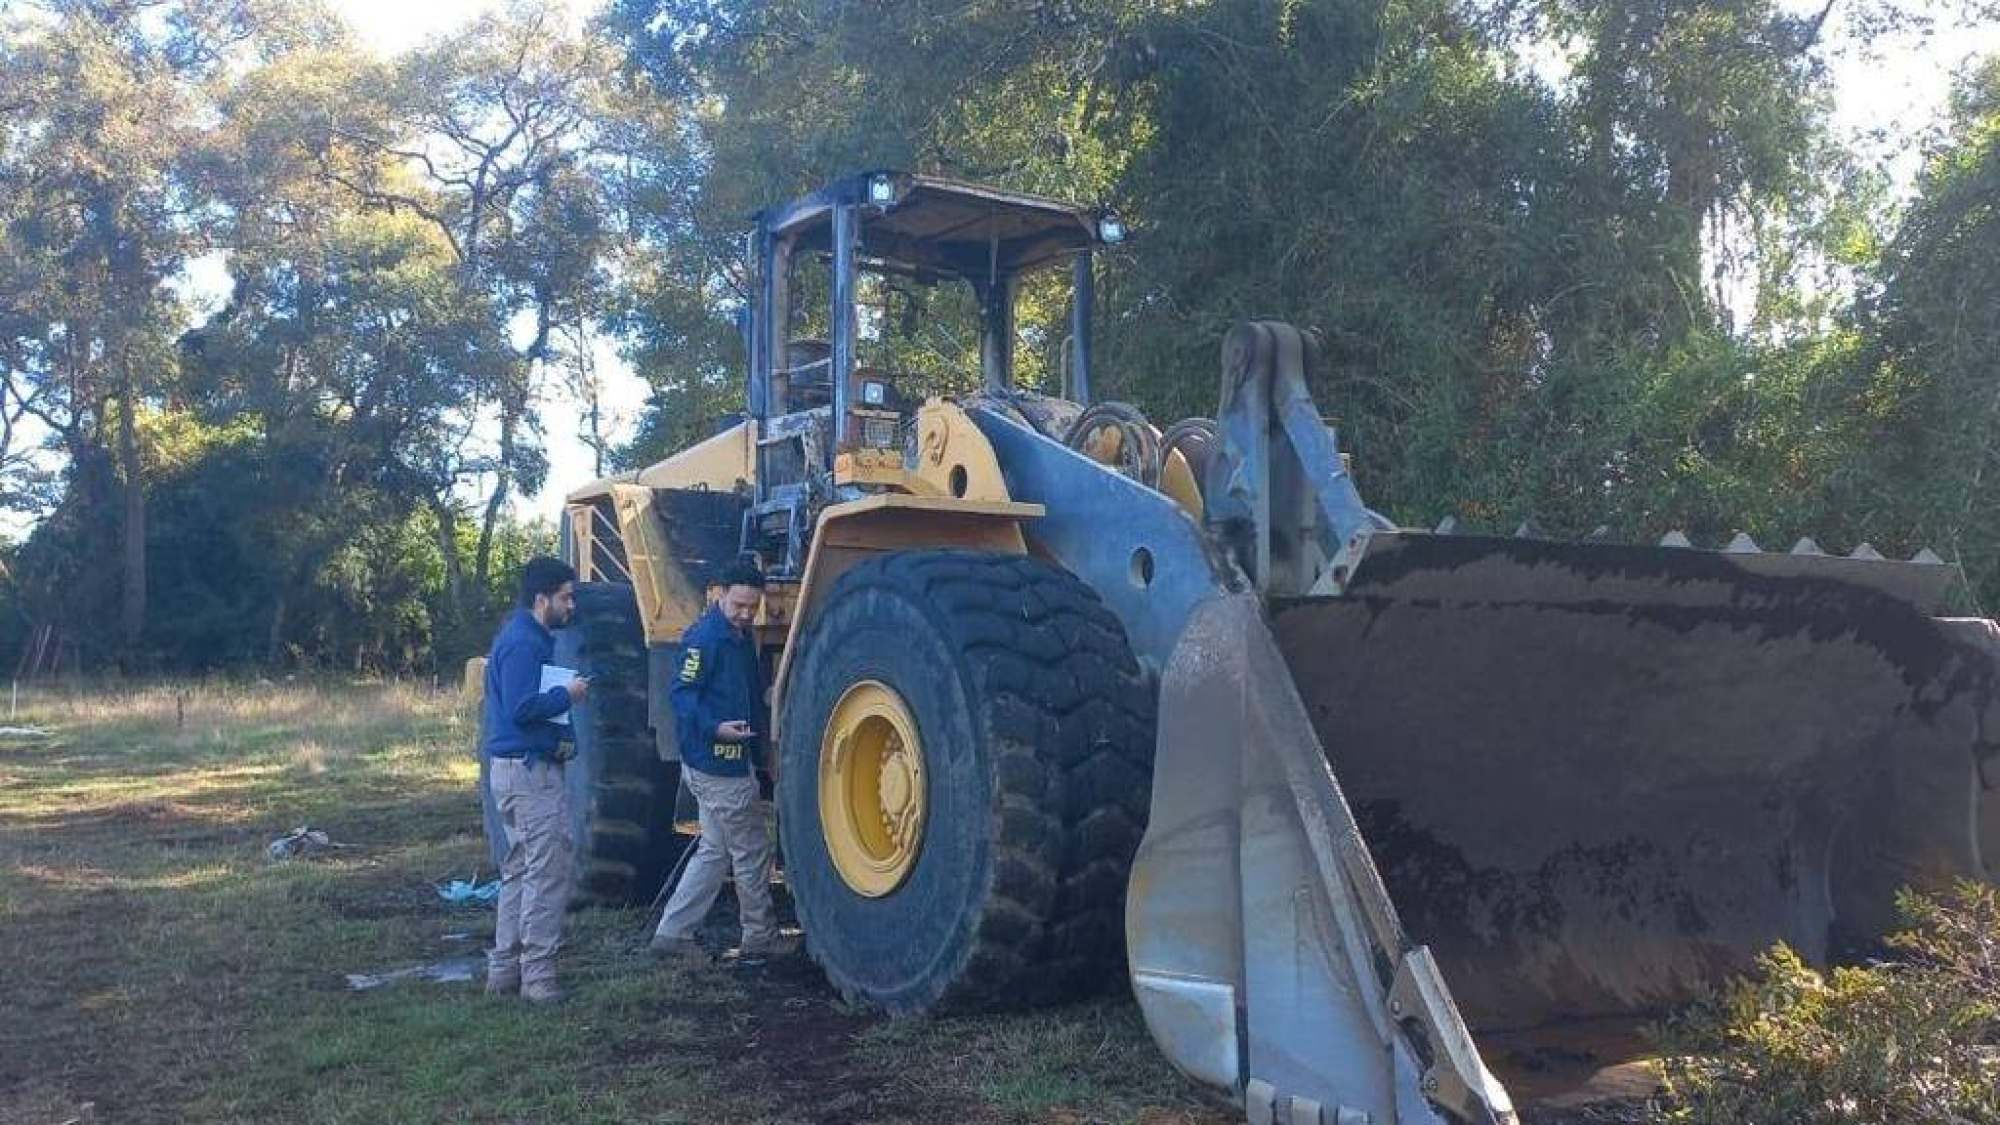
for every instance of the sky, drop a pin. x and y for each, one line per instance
(1887, 99)
(394, 26)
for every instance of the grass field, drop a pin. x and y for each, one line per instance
(158, 967)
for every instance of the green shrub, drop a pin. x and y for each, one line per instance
(1915, 1041)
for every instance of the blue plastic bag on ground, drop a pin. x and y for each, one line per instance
(463, 892)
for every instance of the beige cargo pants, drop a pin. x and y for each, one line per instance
(733, 838)
(535, 876)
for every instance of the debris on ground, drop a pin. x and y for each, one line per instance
(466, 892)
(23, 732)
(451, 970)
(302, 843)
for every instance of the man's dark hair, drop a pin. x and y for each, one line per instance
(543, 575)
(742, 572)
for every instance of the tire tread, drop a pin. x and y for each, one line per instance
(1068, 718)
(628, 844)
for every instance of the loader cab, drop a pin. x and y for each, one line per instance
(874, 292)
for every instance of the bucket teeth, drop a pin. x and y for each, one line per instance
(1740, 544)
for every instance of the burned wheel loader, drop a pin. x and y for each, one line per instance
(1058, 691)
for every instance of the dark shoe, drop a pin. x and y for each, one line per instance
(756, 953)
(679, 951)
(503, 983)
(761, 952)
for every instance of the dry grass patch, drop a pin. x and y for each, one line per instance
(162, 969)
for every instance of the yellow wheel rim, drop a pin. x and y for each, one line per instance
(872, 792)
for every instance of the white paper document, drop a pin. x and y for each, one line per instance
(557, 676)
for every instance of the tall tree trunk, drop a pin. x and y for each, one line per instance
(132, 606)
(297, 587)
(274, 642)
(482, 559)
(593, 397)
(297, 584)
(446, 518)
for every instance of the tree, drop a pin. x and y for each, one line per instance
(787, 95)
(496, 133)
(349, 333)
(680, 277)
(1931, 390)
(337, 388)
(1531, 294)
(102, 114)
(431, 225)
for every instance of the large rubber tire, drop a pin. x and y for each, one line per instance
(621, 794)
(1037, 735)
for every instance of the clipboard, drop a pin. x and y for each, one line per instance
(554, 676)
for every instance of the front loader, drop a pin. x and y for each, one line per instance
(1064, 698)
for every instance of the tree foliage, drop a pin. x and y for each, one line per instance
(1932, 361)
(1625, 300)
(1590, 263)
(341, 394)
(1916, 1040)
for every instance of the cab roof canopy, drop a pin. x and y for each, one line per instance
(937, 227)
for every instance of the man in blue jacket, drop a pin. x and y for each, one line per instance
(719, 717)
(524, 747)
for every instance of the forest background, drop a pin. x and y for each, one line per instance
(1603, 266)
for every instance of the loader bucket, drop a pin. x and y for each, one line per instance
(1265, 954)
(1597, 779)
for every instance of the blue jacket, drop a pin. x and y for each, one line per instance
(517, 712)
(719, 681)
